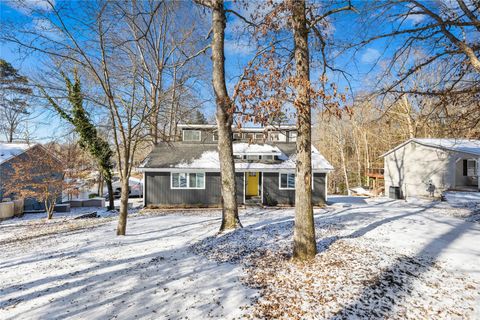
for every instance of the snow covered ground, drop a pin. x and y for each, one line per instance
(376, 258)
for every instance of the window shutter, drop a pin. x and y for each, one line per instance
(465, 168)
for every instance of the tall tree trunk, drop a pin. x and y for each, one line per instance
(224, 116)
(344, 168)
(304, 246)
(122, 218)
(408, 117)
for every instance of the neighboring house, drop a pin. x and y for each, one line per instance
(422, 167)
(11, 153)
(187, 172)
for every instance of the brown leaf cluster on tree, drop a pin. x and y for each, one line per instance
(36, 174)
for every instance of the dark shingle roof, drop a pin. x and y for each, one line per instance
(170, 154)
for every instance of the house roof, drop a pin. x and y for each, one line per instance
(180, 155)
(11, 150)
(457, 145)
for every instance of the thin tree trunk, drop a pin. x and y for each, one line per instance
(304, 246)
(122, 218)
(49, 206)
(408, 117)
(224, 116)
(344, 169)
(100, 185)
(111, 199)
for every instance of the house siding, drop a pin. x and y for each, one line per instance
(272, 192)
(158, 191)
(6, 169)
(412, 166)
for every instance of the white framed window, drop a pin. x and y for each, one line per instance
(215, 136)
(292, 136)
(183, 180)
(277, 136)
(237, 136)
(286, 181)
(253, 157)
(192, 135)
(471, 168)
(258, 136)
(249, 136)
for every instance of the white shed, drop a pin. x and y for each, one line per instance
(418, 167)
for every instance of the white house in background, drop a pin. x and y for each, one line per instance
(418, 165)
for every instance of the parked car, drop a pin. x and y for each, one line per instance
(135, 187)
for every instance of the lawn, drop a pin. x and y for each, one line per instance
(377, 259)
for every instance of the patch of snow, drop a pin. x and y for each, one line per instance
(383, 259)
(10, 150)
(461, 145)
(210, 160)
(246, 148)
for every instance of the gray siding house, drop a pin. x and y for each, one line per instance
(420, 167)
(11, 153)
(186, 173)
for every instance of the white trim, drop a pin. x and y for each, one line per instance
(144, 187)
(199, 136)
(280, 180)
(326, 187)
(188, 181)
(444, 148)
(261, 189)
(244, 187)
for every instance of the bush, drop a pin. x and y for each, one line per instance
(92, 195)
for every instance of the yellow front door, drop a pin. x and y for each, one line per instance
(252, 183)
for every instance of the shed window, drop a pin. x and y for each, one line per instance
(287, 181)
(471, 168)
(183, 180)
(192, 135)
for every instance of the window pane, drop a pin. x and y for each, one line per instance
(191, 135)
(183, 180)
(175, 180)
(192, 180)
(293, 136)
(201, 180)
(283, 180)
(291, 180)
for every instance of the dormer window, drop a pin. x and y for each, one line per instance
(292, 136)
(192, 135)
(277, 136)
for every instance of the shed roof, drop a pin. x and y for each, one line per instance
(457, 145)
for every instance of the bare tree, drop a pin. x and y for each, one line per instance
(224, 116)
(14, 93)
(36, 174)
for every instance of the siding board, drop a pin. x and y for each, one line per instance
(159, 192)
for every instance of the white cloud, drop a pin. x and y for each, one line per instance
(239, 47)
(370, 56)
(45, 27)
(29, 6)
(413, 16)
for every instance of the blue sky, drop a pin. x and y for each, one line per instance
(238, 53)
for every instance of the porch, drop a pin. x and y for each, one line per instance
(466, 175)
